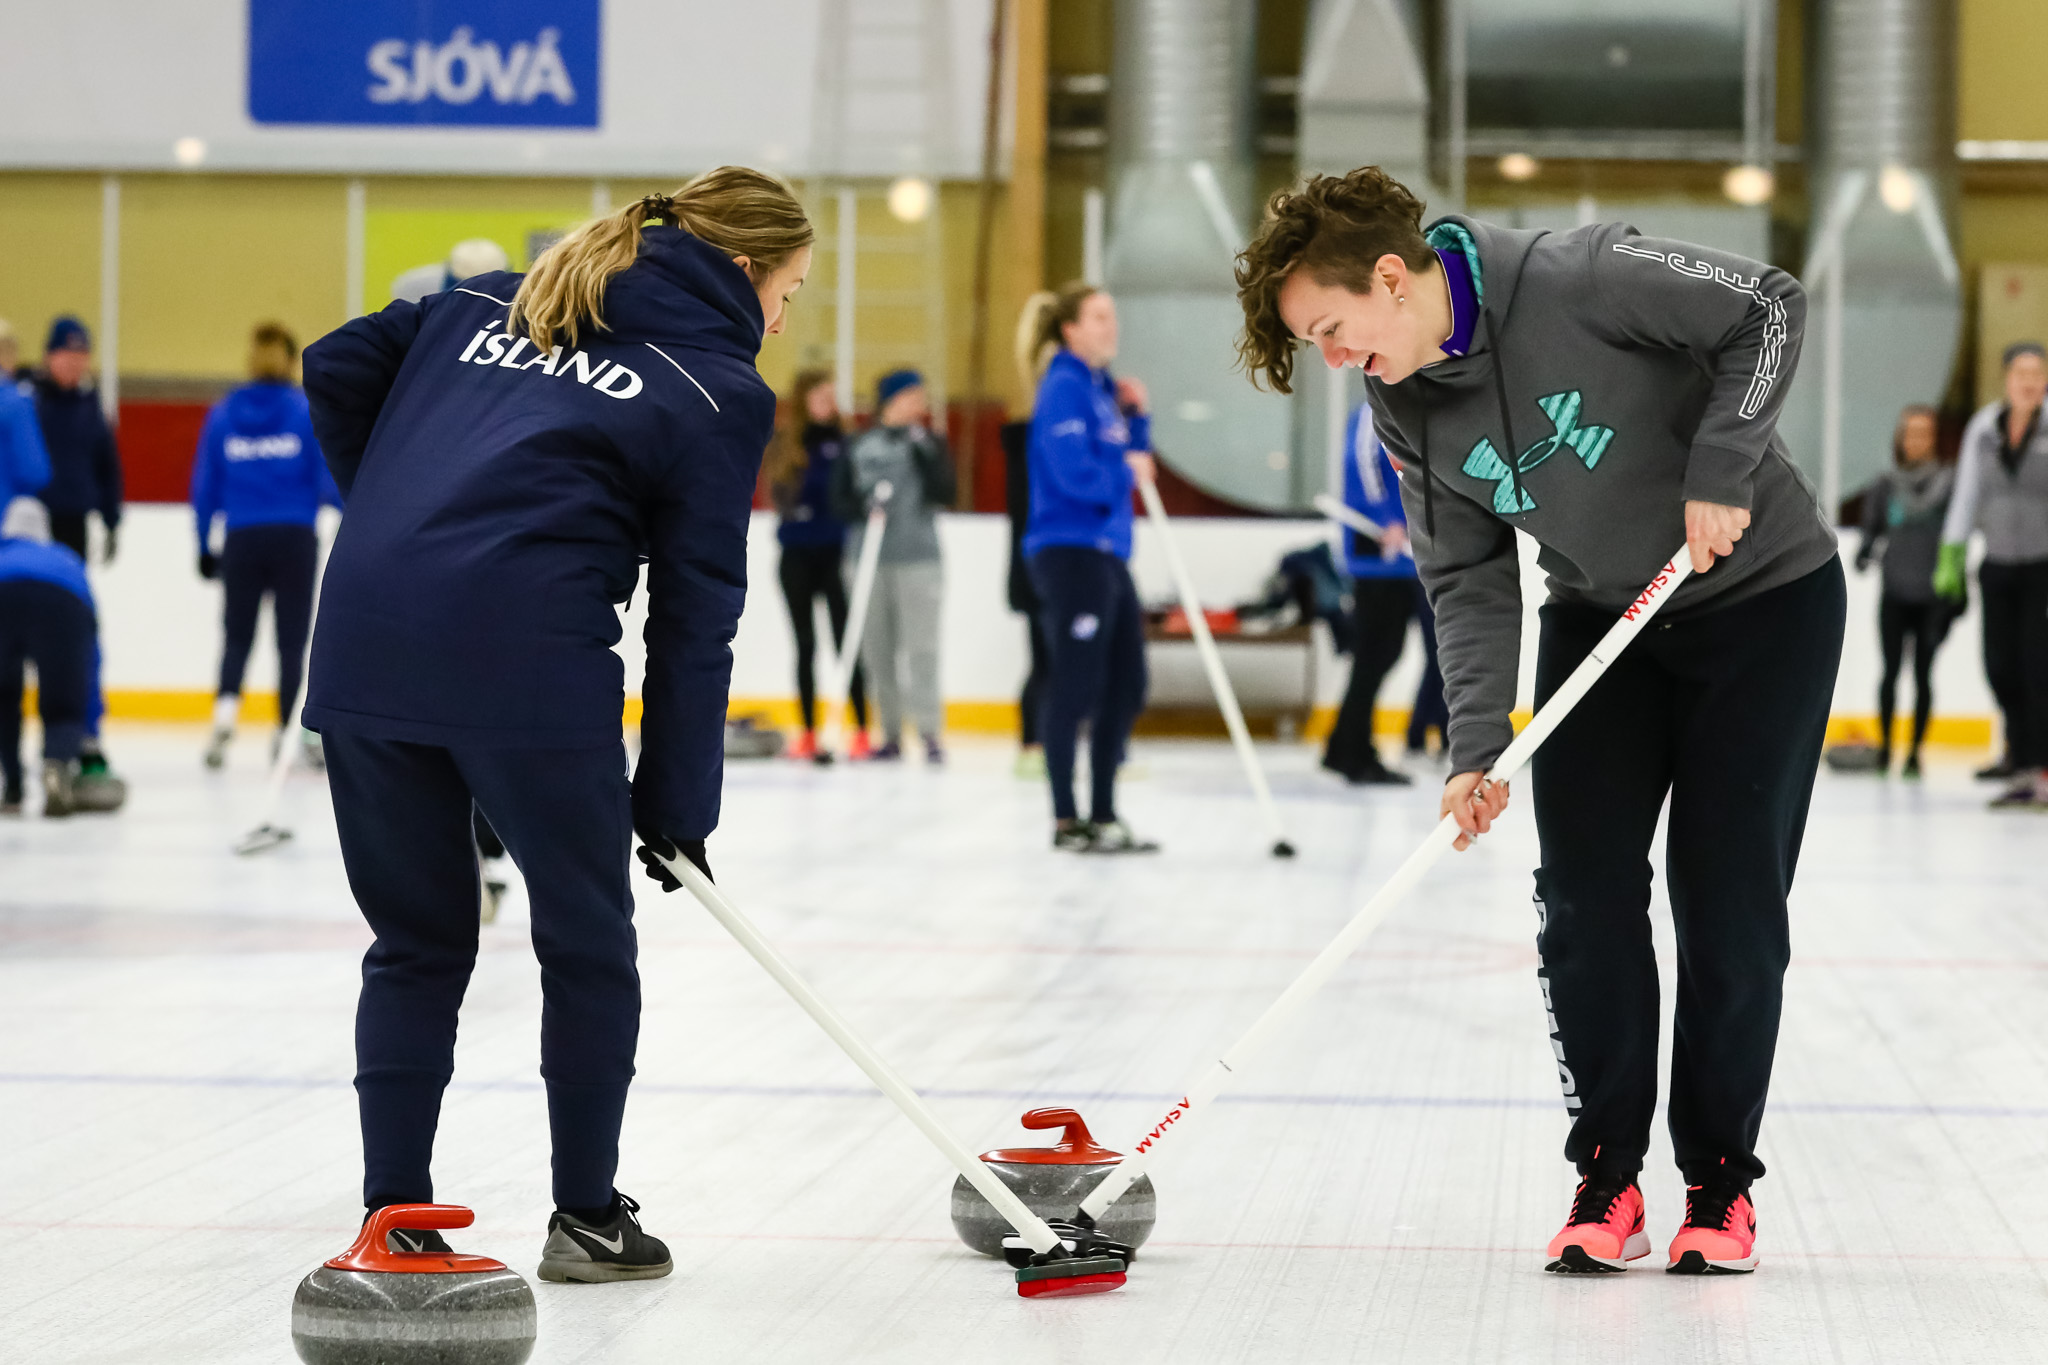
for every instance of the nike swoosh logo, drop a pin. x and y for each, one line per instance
(615, 1246)
(406, 1243)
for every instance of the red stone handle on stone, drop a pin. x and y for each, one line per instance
(372, 1252)
(1076, 1144)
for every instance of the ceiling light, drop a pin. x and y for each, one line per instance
(1899, 188)
(1749, 186)
(1519, 166)
(910, 199)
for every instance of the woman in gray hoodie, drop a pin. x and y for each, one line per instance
(1902, 514)
(1614, 397)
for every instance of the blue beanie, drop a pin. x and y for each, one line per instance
(893, 383)
(68, 334)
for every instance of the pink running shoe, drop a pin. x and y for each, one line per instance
(1719, 1236)
(1605, 1231)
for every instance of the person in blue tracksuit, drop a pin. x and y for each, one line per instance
(1385, 596)
(1090, 439)
(46, 617)
(259, 468)
(502, 495)
(24, 459)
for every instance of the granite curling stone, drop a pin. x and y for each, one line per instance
(1052, 1182)
(374, 1306)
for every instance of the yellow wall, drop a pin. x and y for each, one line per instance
(2001, 44)
(203, 258)
(49, 253)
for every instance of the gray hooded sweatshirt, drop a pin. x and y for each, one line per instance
(2007, 501)
(1636, 374)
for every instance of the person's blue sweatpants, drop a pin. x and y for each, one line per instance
(403, 811)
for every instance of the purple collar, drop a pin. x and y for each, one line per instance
(1464, 302)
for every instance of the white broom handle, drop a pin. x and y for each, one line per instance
(281, 766)
(1028, 1225)
(847, 657)
(1212, 661)
(1317, 973)
(1345, 515)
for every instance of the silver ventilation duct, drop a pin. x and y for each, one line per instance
(1181, 162)
(1884, 301)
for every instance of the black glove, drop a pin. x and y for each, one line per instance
(209, 564)
(654, 846)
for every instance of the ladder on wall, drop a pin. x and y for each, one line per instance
(883, 105)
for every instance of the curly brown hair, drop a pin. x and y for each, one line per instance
(1336, 227)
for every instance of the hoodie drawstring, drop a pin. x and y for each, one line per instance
(1512, 456)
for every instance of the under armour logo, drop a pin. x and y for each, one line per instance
(1588, 443)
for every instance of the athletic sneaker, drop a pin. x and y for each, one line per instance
(1997, 772)
(1605, 1230)
(217, 747)
(98, 789)
(594, 1253)
(2029, 791)
(1114, 836)
(857, 746)
(1074, 838)
(888, 753)
(934, 756)
(1719, 1235)
(1911, 770)
(806, 746)
(60, 787)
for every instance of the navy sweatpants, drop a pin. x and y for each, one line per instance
(1723, 713)
(404, 811)
(1096, 632)
(278, 560)
(53, 627)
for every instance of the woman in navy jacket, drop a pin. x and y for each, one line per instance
(511, 450)
(259, 465)
(1090, 438)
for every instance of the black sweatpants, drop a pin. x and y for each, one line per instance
(277, 561)
(54, 628)
(1095, 631)
(1430, 710)
(809, 572)
(404, 815)
(1725, 713)
(1380, 609)
(68, 528)
(2016, 654)
(1031, 702)
(1926, 625)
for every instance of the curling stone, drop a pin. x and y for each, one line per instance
(1052, 1182)
(374, 1306)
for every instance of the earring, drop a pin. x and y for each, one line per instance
(1400, 298)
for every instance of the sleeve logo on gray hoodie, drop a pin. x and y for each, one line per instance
(1589, 443)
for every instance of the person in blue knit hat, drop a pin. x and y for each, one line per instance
(899, 647)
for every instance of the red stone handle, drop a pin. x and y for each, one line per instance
(372, 1252)
(1075, 1141)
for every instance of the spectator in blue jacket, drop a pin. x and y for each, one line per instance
(1385, 596)
(46, 617)
(512, 450)
(259, 467)
(1090, 439)
(801, 463)
(85, 464)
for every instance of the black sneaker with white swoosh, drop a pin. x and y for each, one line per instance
(578, 1252)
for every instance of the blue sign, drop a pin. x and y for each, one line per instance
(439, 63)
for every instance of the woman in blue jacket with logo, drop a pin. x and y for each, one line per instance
(259, 465)
(512, 450)
(1090, 438)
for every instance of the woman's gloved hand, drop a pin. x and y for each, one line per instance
(209, 564)
(1949, 568)
(655, 846)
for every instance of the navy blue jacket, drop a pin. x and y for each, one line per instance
(806, 509)
(500, 500)
(1080, 485)
(259, 463)
(85, 466)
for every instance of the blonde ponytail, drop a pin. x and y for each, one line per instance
(1039, 337)
(739, 211)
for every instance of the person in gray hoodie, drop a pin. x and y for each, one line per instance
(1615, 398)
(899, 647)
(2002, 490)
(1902, 515)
